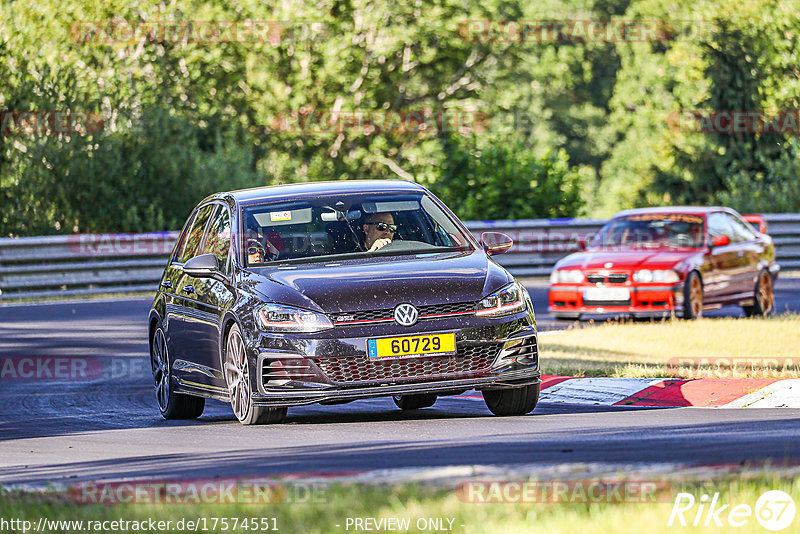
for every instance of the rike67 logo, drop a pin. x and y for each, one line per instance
(774, 510)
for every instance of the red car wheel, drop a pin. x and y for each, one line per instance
(693, 297)
(764, 298)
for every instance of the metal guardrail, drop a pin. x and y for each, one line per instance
(86, 264)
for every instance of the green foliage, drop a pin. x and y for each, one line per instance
(503, 180)
(724, 57)
(184, 119)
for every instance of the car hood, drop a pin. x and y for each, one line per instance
(380, 282)
(625, 259)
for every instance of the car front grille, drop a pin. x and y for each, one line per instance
(611, 278)
(607, 302)
(469, 361)
(425, 312)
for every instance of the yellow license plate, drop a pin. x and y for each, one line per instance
(399, 347)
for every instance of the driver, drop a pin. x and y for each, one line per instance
(379, 230)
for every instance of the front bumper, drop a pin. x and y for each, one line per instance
(651, 300)
(490, 354)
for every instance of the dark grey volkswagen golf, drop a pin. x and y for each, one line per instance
(330, 292)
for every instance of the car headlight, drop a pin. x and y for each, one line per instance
(566, 276)
(280, 318)
(508, 300)
(667, 276)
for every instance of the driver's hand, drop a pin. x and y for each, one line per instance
(380, 243)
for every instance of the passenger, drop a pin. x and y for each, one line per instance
(379, 230)
(255, 252)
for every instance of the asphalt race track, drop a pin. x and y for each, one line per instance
(65, 431)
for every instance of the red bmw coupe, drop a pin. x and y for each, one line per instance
(659, 261)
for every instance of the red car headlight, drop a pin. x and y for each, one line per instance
(664, 276)
(566, 276)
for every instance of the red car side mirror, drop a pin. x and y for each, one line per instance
(758, 221)
(720, 241)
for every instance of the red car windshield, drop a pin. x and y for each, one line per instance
(651, 230)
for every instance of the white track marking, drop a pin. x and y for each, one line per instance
(781, 394)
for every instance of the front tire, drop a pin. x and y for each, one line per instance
(237, 378)
(763, 296)
(414, 402)
(693, 296)
(171, 405)
(516, 401)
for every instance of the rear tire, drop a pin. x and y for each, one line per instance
(237, 378)
(171, 405)
(692, 296)
(516, 401)
(763, 297)
(414, 402)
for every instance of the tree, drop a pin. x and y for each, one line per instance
(490, 179)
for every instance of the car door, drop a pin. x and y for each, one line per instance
(170, 281)
(749, 252)
(720, 280)
(185, 339)
(212, 297)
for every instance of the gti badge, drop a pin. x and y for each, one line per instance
(405, 314)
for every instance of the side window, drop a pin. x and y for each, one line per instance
(192, 246)
(718, 225)
(218, 238)
(740, 229)
(178, 250)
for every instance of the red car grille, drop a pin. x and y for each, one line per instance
(611, 278)
(470, 360)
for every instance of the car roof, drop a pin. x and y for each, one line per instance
(693, 210)
(316, 189)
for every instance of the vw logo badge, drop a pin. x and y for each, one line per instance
(405, 314)
(608, 265)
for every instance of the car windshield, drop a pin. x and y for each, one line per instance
(344, 226)
(651, 230)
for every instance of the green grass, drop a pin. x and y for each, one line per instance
(644, 349)
(414, 502)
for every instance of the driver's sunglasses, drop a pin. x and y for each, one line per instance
(255, 250)
(382, 226)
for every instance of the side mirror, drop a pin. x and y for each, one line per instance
(720, 241)
(495, 242)
(758, 221)
(204, 266)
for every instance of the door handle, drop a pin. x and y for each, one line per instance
(166, 284)
(188, 289)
